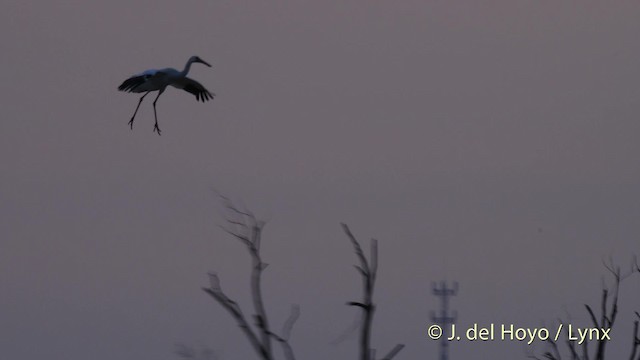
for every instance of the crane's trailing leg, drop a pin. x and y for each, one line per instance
(137, 107)
(156, 127)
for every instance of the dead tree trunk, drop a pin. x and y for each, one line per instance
(244, 226)
(368, 270)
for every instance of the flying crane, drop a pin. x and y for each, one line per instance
(158, 80)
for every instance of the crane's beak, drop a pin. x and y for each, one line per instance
(204, 62)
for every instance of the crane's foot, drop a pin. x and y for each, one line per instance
(131, 123)
(156, 128)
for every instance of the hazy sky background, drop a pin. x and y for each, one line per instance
(494, 143)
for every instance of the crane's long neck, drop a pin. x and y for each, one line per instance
(187, 67)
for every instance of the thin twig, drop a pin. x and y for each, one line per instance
(232, 307)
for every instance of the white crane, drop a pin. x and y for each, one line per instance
(158, 80)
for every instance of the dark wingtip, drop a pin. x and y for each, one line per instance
(131, 83)
(204, 96)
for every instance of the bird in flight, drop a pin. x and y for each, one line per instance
(158, 80)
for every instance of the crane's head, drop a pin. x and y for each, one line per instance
(196, 59)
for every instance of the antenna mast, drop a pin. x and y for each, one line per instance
(444, 320)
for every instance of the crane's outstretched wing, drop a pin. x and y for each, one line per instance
(149, 80)
(193, 87)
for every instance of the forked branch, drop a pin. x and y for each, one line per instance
(605, 320)
(245, 227)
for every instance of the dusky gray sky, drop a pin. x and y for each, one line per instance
(494, 143)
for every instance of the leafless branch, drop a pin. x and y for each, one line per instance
(396, 349)
(244, 226)
(232, 307)
(347, 332)
(592, 315)
(556, 351)
(606, 320)
(635, 341)
(288, 325)
(368, 269)
(286, 332)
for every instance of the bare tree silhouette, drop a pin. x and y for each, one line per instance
(606, 320)
(245, 227)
